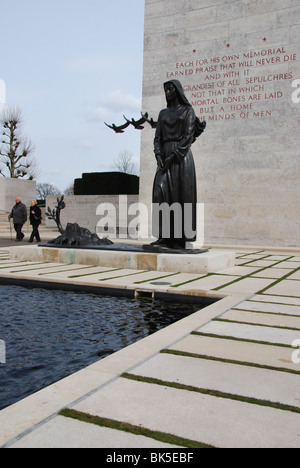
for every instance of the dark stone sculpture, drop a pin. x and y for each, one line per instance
(175, 179)
(175, 189)
(73, 235)
(55, 214)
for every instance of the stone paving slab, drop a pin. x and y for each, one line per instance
(241, 351)
(259, 263)
(295, 276)
(268, 307)
(194, 416)
(279, 258)
(9, 265)
(253, 256)
(61, 432)
(272, 273)
(94, 279)
(271, 320)
(286, 288)
(266, 297)
(288, 264)
(252, 332)
(35, 268)
(70, 270)
(242, 262)
(224, 377)
(247, 285)
(240, 270)
(128, 278)
(172, 279)
(208, 282)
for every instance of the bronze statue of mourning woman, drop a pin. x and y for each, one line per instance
(175, 188)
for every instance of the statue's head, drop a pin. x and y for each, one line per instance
(173, 88)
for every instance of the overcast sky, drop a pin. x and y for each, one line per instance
(71, 65)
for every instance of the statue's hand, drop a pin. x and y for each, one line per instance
(168, 162)
(159, 162)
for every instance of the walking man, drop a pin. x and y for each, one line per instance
(19, 216)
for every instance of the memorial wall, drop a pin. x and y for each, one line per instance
(238, 62)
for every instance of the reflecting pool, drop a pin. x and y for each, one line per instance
(50, 334)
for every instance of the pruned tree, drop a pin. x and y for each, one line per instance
(16, 149)
(126, 163)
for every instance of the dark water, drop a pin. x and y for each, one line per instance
(52, 334)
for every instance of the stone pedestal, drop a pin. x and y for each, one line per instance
(211, 261)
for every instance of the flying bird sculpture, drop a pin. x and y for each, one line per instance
(119, 129)
(137, 124)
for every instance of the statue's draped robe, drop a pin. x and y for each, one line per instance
(175, 133)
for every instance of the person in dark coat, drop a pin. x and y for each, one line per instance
(35, 220)
(175, 179)
(19, 216)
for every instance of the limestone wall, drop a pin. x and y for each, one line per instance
(84, 210)
(239, 64)
(12, 188)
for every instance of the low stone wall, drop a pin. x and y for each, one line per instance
(12, 188)
(89, 210)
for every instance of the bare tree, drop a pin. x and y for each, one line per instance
(126, 163)
(15, 149)
(69, 190)
(44, 189)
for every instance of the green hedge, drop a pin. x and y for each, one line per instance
(107, 183)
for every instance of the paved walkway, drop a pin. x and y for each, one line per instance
(226, 376)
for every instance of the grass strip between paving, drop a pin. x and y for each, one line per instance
(136, 430)
(213, 393)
